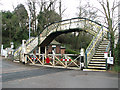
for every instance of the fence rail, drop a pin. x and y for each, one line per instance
(70, 61)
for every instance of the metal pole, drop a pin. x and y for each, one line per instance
(29, 25)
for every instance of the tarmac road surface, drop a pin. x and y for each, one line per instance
(16, 75)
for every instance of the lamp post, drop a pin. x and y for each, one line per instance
(29, 25)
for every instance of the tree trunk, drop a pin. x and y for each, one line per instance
(118, 55)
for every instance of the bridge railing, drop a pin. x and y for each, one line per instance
(71, 24)
(68, 24)
(90, 51)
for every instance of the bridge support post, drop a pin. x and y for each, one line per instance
(39, 52)
(23, 51)
(45, 51)
(25, 59)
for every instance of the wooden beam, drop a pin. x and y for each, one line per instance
(60, 61)
(38, 59)
(30, 60)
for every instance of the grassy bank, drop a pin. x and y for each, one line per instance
(116, 68)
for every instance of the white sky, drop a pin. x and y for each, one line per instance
(70, 5)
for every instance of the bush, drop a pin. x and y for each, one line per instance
(70, 51)
(117, 55)
(116, 68)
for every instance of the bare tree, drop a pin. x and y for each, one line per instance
(119, 22)
(44, 5)
(32, 9)
(87, 11)
(109, 14)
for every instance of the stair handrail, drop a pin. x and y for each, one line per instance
(90, 51)
(108, 47)
(94, 44)
(20, 47)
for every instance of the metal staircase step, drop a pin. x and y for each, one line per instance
(97, 65)
(103, 43)
(97, 62)
(101, 47)
(100, 51)
(94, 70)
(98, 57)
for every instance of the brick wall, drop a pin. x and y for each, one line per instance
(62, 51)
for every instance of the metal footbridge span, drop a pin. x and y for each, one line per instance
(55, 29)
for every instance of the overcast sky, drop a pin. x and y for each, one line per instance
(70, 5)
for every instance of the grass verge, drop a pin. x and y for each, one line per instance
(116, 68)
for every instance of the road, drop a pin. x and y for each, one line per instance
(16, 75)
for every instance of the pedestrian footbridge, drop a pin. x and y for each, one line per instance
(94, 54)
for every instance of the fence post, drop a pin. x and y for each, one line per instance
(53, 59)
(66, 61)
(43, 59)
(106, 64)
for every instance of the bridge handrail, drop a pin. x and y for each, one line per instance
(72, 19)
(57, 25)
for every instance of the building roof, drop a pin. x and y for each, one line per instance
(54, 42)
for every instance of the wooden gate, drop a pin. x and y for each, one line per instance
(70, 61)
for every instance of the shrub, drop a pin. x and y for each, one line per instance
(117, 54)
(70, 51)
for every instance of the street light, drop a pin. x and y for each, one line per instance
(29, 25)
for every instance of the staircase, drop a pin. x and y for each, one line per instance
(98, 62)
